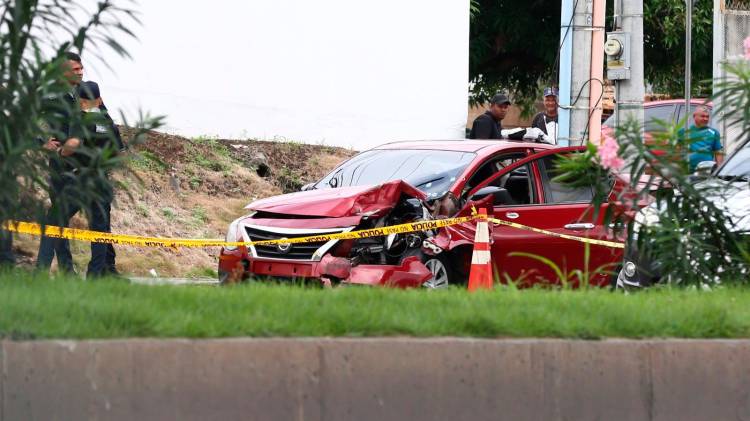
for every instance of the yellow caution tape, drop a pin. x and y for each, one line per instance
(612, 244)
(106, 237)
(137, 240)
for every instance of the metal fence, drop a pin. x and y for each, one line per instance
(731, 26)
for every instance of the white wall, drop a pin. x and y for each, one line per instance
(344, 72)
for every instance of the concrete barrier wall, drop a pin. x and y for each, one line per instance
(375, 379)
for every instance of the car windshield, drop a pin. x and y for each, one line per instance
(431, 171)
(738, 165)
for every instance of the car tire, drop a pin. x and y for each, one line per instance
(613, 279)
(223, 277)
(443, 274)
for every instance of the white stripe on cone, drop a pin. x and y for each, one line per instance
(483, 234)
(480, 257)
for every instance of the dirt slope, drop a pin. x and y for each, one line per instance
(193, 188)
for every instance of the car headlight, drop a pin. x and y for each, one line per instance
(645, 217)
(232, 234)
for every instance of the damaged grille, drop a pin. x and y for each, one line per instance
(296, 251)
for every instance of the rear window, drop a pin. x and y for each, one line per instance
(651, 116)
(656, 117)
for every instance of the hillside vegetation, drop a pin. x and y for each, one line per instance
(193, 188)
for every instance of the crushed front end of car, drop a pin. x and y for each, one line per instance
(392, 260)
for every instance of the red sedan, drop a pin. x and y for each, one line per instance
(421, 181)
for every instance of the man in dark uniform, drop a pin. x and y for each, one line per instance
(61, 114)
(93, 135)
(55, 114)
(67, 114)
(7, 259)
(488, 125)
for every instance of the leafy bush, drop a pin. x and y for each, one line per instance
(693, 239)
(34, 37)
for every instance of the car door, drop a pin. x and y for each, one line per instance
(527, 257)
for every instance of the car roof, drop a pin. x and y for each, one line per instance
(693, 101)
(462, 145)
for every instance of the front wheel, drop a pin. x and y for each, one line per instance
(442, 274)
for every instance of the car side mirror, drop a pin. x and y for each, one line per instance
(704, 168)
(499, 194)
(307, 187)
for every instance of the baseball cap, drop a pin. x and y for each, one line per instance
(550, 91)
(88, 90)
(500, 98)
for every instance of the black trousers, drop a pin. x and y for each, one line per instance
(50, 247)
(6, 249)
(98, 213)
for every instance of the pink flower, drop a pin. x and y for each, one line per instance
(607, 153)
(746, 44)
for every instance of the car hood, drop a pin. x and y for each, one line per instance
(339, 202)
(735, 201)
(733, 198)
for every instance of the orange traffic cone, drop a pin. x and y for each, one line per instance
(481, 268)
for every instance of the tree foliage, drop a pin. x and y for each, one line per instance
(34, 36)
(664, 46)
(514, 46)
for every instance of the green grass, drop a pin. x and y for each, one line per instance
(169, 213)
(36, 307)
(148, 161)
(199, 216)
(202, 272)
(218, 159)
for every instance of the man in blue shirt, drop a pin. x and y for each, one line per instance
(703, 142)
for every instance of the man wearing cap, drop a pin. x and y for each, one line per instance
(549, 115)
(488, 125)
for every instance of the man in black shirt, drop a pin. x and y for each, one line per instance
(487, 125)
(549, 114)
(59, 112)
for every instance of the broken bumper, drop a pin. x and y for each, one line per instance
(235, 265)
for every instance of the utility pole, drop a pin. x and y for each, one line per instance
(596, 84)
(566, 70)
(629, 83)
(580, 84)
(688, 58)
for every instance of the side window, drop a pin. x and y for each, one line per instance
(556, 192)
(492, 166)
(655, 117)
(519, 184)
